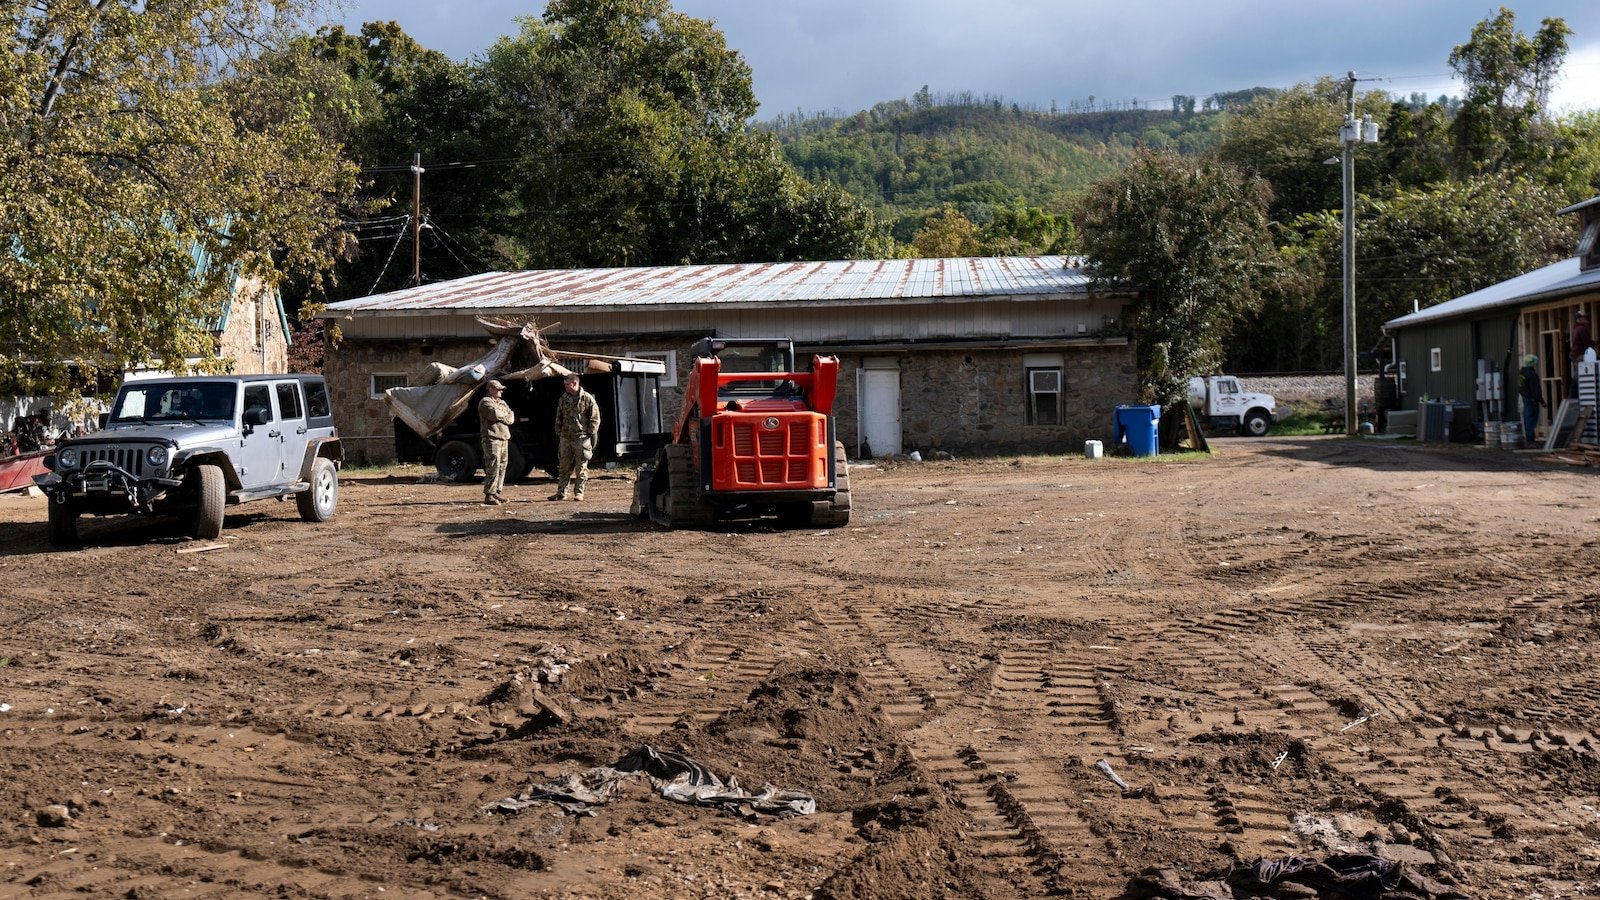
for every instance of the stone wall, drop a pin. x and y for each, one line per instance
(965, 402)
(974, 402)
(241, 341)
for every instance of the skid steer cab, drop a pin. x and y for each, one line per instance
(755, 439)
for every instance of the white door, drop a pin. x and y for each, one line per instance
(880, 405)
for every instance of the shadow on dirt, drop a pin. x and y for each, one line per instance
(577, 523)
(1404, 456)
(162, 534)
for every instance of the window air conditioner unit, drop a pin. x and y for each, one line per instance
(1044, 381)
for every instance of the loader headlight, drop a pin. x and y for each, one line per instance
(157, 457)
(68, 458)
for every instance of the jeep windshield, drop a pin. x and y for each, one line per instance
(175, 401)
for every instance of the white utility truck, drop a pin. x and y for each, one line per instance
(1221, 404)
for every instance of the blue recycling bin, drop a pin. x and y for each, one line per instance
(1138, 425)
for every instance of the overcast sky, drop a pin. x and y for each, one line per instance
(846, 55)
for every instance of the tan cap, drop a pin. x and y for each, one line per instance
(495, 384)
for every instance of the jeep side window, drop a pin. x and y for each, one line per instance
(289, 400)
(258, 395)
(317, 400)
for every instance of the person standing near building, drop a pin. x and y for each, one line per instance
(1580, 343)
(1532, 396)
(578, 428)
(495, 418)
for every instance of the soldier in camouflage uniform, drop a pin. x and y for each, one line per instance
(578, 427)
(495, 418)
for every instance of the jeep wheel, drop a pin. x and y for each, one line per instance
(63, 524)
(318, 502)
(211, 496)
(456, 461)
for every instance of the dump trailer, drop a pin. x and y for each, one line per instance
(755, 438)
(629, 395)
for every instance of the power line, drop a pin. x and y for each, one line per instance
(386, 262)
(444, 243)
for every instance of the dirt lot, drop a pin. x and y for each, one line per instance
(1295, 647)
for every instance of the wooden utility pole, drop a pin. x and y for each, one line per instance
(416, 219)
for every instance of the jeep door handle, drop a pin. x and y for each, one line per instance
(300, 430)
(274, 434)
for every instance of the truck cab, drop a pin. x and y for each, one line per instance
(1223, 404)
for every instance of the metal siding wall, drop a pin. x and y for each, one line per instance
(1493, 338)
(1458, 381)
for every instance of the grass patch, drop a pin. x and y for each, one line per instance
(1300, 422)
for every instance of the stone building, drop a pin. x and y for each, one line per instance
(252, 333)
(971, 356)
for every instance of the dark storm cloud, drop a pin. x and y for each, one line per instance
(849, 54)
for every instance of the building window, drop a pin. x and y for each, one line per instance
(1436, 359)
(382, 381)
(669, 358)
(1044, 396)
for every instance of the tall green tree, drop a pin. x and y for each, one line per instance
(1508, 76)
(123, 161)
(1021, 230)
(630, 121)
(406, 100)
(1193, 236)
(1285, 137)
(1424, 246)
(946, 233)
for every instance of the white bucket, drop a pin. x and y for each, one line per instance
(1511, 435)
(1093, 450)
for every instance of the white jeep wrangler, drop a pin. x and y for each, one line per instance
(193, 446)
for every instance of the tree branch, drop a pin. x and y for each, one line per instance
(53, 89)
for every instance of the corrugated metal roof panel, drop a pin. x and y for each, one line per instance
(741, 283)
(1551, 282)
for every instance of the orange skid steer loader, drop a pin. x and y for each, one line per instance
(755, 438)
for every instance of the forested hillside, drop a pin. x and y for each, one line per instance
(910, 158)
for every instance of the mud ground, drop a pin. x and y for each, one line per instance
(1297, 646)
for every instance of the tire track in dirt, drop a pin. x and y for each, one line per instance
(1460, 813)
(1033, 814)
(1315, 702)
(1011, 843)
(899, 669)
(700, 679)
(1249, 816)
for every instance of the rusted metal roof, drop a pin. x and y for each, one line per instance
(843, 281)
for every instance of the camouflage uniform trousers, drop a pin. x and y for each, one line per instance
(494, 467)
(574, 457)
